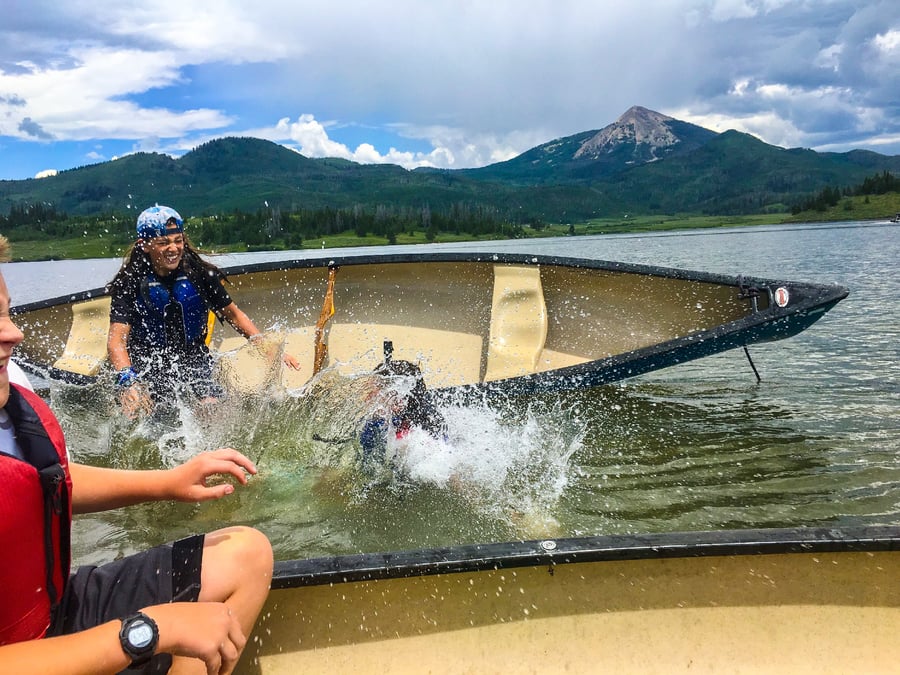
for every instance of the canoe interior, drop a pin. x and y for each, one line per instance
(794, 608)
(589, 315)
(466, 322)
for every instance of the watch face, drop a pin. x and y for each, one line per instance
(140, 634)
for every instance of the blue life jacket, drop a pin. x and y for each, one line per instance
(156, 300)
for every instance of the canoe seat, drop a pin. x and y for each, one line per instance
(248, 367)
(518, 322)
(448, 358)
(85, 350)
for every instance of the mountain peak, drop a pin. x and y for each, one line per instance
(647, 131)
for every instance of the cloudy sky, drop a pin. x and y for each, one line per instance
(445, 83)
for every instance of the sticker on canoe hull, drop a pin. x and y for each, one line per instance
(782, 297)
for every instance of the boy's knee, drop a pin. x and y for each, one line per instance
(247, 548)
(257, 548)
(237, 562)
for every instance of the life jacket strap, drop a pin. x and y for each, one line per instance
(56, 503)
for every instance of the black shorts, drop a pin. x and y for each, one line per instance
(95, 595)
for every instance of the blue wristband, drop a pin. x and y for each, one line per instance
(126, 378)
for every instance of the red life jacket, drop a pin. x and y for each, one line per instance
(35, 520)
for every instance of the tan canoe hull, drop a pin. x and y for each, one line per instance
(816, 611)
(515, 323)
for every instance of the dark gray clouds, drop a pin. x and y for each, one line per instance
(447, 82)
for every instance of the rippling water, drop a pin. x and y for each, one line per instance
(697, 446)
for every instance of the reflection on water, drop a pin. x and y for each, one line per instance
(714, 459)
(697, 446)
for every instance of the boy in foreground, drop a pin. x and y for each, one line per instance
(185, 607)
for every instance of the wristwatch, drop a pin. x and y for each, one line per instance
(139, 636)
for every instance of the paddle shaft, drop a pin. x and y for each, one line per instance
(321, 349)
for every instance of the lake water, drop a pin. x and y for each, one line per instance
(697, 446)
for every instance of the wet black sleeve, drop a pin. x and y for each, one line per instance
(213, 290)
(122, 307)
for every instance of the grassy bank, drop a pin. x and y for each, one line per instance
(105, 247)
(866, 207)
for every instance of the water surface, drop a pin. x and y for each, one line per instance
(697, 446)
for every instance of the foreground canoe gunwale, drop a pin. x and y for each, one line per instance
(551, 552)
(808, 302)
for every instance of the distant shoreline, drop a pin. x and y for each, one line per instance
(78, 248)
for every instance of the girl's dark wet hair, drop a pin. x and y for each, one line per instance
(136, 265)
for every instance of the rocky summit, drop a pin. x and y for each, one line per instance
(647, 133)
(637, 126)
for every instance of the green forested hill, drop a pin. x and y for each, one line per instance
(737, 173)
(233, 173)
(644, 164)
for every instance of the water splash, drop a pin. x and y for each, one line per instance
(514, 469)
(498, 472)
(509, 462)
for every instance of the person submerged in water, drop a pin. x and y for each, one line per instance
(404, 404)
(159, 317)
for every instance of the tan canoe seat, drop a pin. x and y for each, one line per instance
(85, 350)
(248, 367)
(518, 322)
(448, 358)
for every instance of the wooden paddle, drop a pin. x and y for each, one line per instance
(321, 349)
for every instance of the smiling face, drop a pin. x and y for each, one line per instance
(10, 336)
(165, 252)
